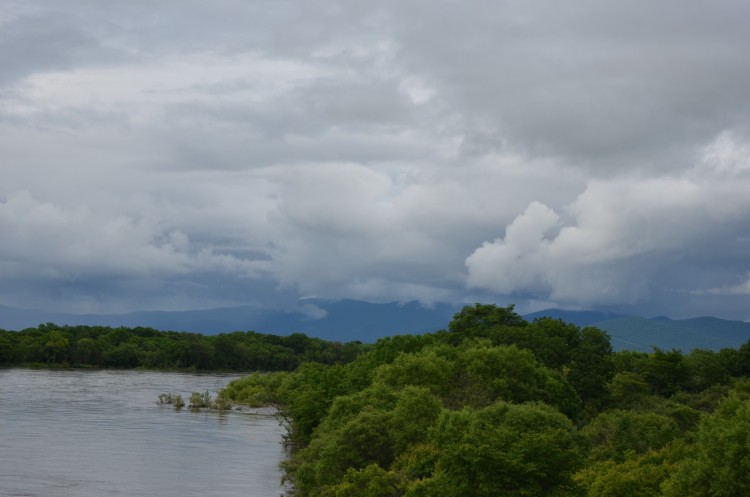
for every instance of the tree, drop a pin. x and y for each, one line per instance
(508, 373)
(371, 427)
(480, 319)
(719, 462)
(615, 433)
(628, 389)
(86, 352)
(57, 345)
(371, 481)
(667, 371)
(506, 450)
(637, 476)
(7, 353)
(591, 367)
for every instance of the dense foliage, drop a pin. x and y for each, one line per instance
(100, 346)
(497, 406)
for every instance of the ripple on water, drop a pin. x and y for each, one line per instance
(93, 433)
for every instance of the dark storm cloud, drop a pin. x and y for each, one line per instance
(188, 154)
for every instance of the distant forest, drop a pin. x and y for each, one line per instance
(104, 347)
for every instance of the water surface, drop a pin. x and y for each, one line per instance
(101, 433)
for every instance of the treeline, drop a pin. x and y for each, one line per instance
(497, 406)
(105, 347)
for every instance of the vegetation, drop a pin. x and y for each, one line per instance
(99, 346)
(497, 406)
(198, 400)
(171, 399)
(492, 406)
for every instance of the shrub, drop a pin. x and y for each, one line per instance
(199, 400)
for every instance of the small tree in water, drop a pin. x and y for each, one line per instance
(199, 400)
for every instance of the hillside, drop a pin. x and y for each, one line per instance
(642, 334)
(343, 320)
(348, 320)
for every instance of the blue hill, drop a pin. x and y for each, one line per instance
(342, 320)
(347, 320)
(643, 334)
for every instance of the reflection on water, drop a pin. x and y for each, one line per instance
(95, 433)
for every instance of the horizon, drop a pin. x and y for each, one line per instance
(306, 312)
(182, 155)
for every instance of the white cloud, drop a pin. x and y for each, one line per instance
(739, 289)
(620, 236)
(508, 263)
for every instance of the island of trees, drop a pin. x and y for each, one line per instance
(492, 406)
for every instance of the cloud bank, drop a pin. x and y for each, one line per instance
(188, 155)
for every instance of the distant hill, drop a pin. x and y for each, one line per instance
(343, 320)
(642, 334)
(578, 318)
(346, 320)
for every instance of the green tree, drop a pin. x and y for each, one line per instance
(719, 462)
(627, 389)
(591, 367)
(637, 476)
(87, 352)
(371, 481)
(505, 450)
(667, 371)
(371, 427)
(7, 349)
(482, 319)
(615, 433)
(508, 373)
(706, 369)
(57, 345)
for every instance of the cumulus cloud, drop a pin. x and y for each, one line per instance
(618, 240)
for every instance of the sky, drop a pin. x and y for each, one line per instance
(190, 154)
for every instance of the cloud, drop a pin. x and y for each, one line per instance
(182, 154)
(504, 265)
(626, 240)
(739, 289)
(313, 312)
(47, 242)
(605, 84)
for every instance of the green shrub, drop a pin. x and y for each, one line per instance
(171, 399)
(199, 400)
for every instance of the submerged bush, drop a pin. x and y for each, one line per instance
(172, 399)
(199, 400)
(222, 403)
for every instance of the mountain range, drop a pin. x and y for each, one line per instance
(643, 334)
(341, 320)
(347, 320)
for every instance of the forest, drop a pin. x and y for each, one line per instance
(492, 406)
(498, 406)
(50, 345)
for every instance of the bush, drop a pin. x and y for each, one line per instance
(222, 403)
(199, 400)
(172, 399)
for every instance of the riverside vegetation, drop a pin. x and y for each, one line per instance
(497, 406)
(492, 406)
(50, 345)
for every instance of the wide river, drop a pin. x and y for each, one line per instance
(101, 433)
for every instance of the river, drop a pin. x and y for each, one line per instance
(100, 433)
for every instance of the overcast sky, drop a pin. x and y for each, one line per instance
(187, 154)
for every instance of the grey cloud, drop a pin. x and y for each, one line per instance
(186, 152)
(38, 39)
(601, 83)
